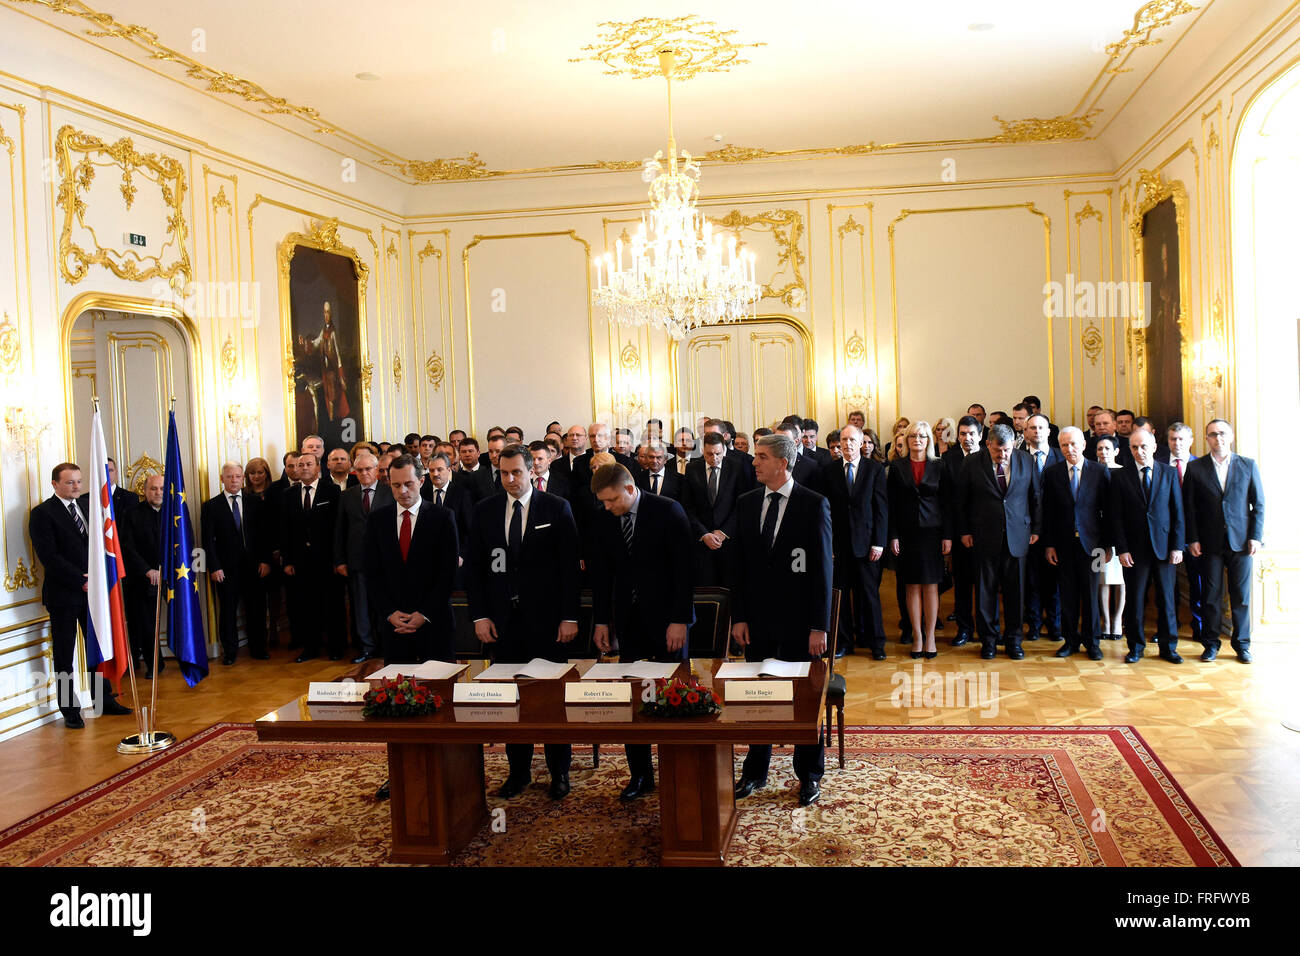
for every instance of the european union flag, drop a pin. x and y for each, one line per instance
(179, 582)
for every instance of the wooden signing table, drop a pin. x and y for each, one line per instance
(436, 762)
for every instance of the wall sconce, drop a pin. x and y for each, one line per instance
(855, 393)
(1209, 360)
(243, 418)
(27, 421)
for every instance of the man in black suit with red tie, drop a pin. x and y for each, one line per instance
(1076, 540)
(527, 605)
(712, 485)
(59, 531)
(856, 490)
(308, 548)
(411, 555)
(781, 595)
(542, 475)
(641, 583)
(658, 478)
(997, 503)
(1146, 519)
(239, 556)
(1224, 497)
(969, 435)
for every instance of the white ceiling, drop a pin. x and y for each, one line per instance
(494, 77)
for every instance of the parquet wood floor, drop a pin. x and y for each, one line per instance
(1217, 727)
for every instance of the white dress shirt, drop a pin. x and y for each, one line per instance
(1221, 469)
(415, 515)
(526, 499)
(784, 492)
(651, 477)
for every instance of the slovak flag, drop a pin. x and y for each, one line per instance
(106, 644)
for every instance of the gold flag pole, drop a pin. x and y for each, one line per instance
(148, 740)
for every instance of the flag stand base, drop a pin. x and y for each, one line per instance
(146, 743)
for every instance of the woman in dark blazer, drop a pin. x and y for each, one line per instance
(916, 532)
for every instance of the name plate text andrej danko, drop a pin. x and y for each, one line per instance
(758, 691)
(463, 693)
(598, 692)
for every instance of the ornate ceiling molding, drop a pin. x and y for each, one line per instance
(633, 48)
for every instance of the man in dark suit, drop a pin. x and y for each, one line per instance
(997, 503)
(280, 590)
(355, 506)
(488, 477)
(781, 596)
(859, 502)
(542, 475)
(1178, 455)
(1042, 600)
(820, 456)
(124, 501)
(1035, 405)
(598, 437)
(1146, 518)
(59, 532)
(1224, 497)
(728, 435)
(411, 554)
(526, 606)
(963, 558)
(641, 583)
(239, 556)
(446, 489)
(575, 443)
(709, 493)
(1103, 426)
(803, 469)
(308, 549)
(658, 478)
(141, 548)
(1075, 536)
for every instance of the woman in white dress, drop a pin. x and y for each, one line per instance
(1111, 599)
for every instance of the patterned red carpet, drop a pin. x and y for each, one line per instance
(952, 796)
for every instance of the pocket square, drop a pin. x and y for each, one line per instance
(541, 526)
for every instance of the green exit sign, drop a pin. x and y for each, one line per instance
(135, 239)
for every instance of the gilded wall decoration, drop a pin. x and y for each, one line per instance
(78, 156)
(397, 370)
(1035, 130)
(457, 169)
(1089, 211)
(434, 370)
(632, 48)
(10, 346)
(855, 350)
(629, 360)
(367, 371)
(219, 201)
(138, 472)
(1149, 18)
(786, 227)
(22, 578)
(1091, 342)
(229, 360)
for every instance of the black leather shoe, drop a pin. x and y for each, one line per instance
(1016, 652)
(1032, 636)
(1209, 654)
(1244, 657)
(1058, 636)
(148, 673)
(962, 639)
(513, 787)
(114, 709)
(879, 655)
(988, 652)
(1133, 656)
(73, 721)
(1094, 651)
(303, 658)
(382, 792)
(1065, 650)
(917, 655)
(228, 659)
(361, 659)
(637, 787)
(809, 792)
(1173, 657)
(559, 788)
(747, 785)
(931, 655)
(842, 650)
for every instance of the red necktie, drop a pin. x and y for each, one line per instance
(365, 500)
(1180, 471)
(404, 538)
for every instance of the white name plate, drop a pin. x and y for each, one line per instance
(463, 693)
(466, 714)
(598, 715)
(337, 692)
(758, 691)
(597, 692)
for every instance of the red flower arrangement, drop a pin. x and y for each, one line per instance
(681, 698)
(403, 697)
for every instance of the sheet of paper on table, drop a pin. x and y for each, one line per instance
(537, 669)
(767, 668)
(429, 670)
(632, 670)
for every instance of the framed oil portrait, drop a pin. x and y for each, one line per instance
(322, 295)
(1160, 231)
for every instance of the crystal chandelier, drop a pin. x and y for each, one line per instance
(678, 274)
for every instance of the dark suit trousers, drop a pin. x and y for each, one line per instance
(1042, 602)
(809, 759)
(317, 609)
(1149, 571)
(241, 585)
(639, 644)
(1237, 565)
(1080, 588)
(1006, 573)
(964, 576)
(363, 620)
(513, 648)
(64, 619)
(861, 622)
(713, 568)
(426, 644)
(141, 610)
(1192, 568)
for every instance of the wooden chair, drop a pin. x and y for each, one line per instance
(710, 635)
(837, 686)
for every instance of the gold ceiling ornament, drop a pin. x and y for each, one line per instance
(434, 370)
(786, 226)
(618, 165)
(1149, 18)
(23, 578)
(1091, 342)
(219, 201)
(1035, 130)
(229, 359)
(737, 154)
(1089, 211)
(10, 346)
(629, 360)
(397, 370)
(76, 177)
(457, 169)
(138, 472)
(633, 48)
(367, 371)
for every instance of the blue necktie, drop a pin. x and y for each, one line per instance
(1146, 483)
(850, 474)
(239, 519)
(1074, 481)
